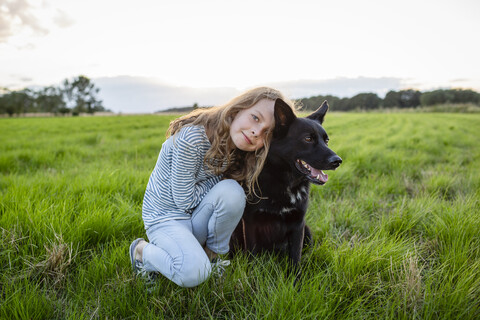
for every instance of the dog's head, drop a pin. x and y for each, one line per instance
(302, 143)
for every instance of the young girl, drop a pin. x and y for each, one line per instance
(196, 194)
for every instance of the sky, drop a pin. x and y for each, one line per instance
(147, 55)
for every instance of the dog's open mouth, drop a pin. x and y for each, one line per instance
(313, 175)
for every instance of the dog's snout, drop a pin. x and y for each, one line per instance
(335, 161)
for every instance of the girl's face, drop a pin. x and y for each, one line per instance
(249, 127)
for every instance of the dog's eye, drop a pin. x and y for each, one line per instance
(326, 141)
(308, 139)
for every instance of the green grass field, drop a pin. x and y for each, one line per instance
(397, 226)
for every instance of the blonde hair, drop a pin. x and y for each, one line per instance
(244, 167)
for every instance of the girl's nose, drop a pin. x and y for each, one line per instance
(258, 130)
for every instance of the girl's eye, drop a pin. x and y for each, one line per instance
(255, 118)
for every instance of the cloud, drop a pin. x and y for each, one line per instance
(19, 82)
(145, 95)
(26, 79)
(62, 19)
(459, 80)
(18, 14)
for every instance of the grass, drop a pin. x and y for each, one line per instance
(396, 227)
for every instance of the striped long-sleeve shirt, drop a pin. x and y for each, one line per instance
(180, 178)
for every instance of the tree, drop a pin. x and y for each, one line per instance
(81, 95)
(391, 100)
(17, 102)
(409, 98)
(450, 96)
(466, 96)
(344, 104)
(402, 99)
(365, 101)
(313, 103)
(49, 99)
(5, 105)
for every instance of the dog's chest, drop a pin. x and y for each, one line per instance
(289, 201)
(299, 195)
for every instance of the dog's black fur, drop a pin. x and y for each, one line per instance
(276, 223)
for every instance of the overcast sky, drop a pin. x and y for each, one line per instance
(205, 51)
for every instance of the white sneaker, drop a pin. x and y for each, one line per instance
(218, 266)
(138, 267)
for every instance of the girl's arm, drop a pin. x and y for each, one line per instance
(187, 160)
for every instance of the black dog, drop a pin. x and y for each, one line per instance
(298, 154)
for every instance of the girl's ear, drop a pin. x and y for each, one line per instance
(284, 117)
(319, 115)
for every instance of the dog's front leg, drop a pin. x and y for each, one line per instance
(295, 245)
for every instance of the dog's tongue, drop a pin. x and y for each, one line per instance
(319, 175)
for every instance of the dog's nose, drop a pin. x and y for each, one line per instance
(335, 161)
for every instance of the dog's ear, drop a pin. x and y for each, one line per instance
(319, 115)
(284, 117)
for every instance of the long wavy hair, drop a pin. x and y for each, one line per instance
(223, 157)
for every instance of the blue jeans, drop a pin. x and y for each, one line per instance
(176, 246)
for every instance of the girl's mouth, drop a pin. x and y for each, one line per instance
(246, 138)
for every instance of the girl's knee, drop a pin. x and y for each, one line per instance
(232, 194)
(193, 274)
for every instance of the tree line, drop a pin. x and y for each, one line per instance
(75, 96)
(80, 95)
(394, 99)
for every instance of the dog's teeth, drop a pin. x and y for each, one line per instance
(318, 176)
(305, 165)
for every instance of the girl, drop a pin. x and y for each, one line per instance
(196, 194)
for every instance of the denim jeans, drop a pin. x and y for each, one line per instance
(175, 247)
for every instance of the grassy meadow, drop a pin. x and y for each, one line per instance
(397, 226)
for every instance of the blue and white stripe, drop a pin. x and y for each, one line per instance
(180, 178)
